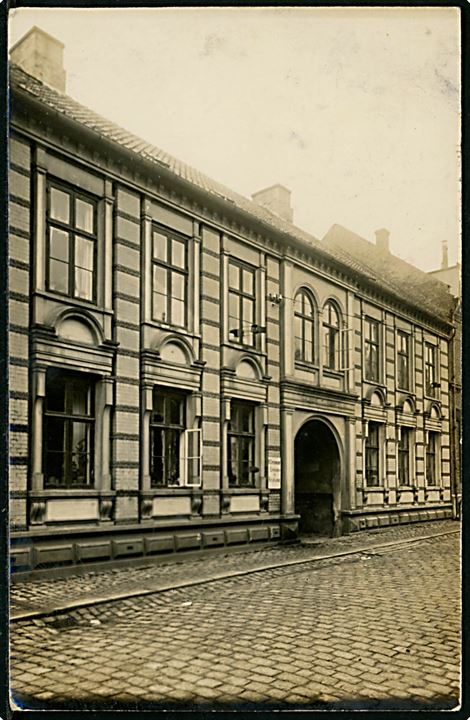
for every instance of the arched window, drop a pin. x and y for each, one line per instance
(331, 336)
(304, 316)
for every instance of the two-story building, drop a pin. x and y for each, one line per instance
(189, 369)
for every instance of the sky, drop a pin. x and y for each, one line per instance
(355, 110)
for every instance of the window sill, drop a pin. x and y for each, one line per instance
(177, 329)
(244, 348)
(181, 490)
(329, 372)
(373, 489)
(71, 493)
(237, 490)
(303, 365)
(69, 300)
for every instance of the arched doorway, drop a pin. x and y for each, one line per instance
(317, 468)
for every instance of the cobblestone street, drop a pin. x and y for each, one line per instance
(378, 629)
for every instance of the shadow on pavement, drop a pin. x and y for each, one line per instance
(204, 705)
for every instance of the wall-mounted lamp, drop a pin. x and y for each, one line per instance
(275, 298)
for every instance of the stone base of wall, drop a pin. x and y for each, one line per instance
(30, 553)
(386, 517)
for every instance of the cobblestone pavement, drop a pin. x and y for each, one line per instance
(374, 630)
(50, 594)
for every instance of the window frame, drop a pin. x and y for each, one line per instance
(170, 270)
(305, 320)
(328, 327)
(376, 449)
(238, 334)
(430, 387)
(167, 427)
(373, 345)
(405, 454)
(434, 455)
(241, 437)
(68, 418)
(72, 232)
(406, 354)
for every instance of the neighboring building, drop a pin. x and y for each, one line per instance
(187, 367)
(451, 276)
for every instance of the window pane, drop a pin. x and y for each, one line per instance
(84, 215)
(55, 392)
(248, 313)
(308, 351)
(307, 305)
(308, 331)
(178, 313)
(159, 307)
(172, 456)
(178, 253)
(59, 205)
(83, 284)
(54, 457)
(233, 311)
(58, 276)
(78, 398)
(156, 461)
(79, 454)
(159, 280)
(234, 276)
(84, 253)
(59, 245)
(159, 246)
(232, 469)
(248, 281)
(178, 283)
(174, 410)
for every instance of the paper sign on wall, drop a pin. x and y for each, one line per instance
(274, 473)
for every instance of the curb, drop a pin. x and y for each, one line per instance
(100, 600)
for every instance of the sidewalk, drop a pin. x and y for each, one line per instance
(45, 596)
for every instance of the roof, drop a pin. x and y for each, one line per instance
(411, 284)
(400, 278)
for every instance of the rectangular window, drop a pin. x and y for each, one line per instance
(403, 360)
(404, 456)
(169, 278)
(69, 425)
(430, 378)
(167, 425)
(432, 458)
(71, 242)
(241, 303)
(372, 448)
(372, 349)
(241, 445)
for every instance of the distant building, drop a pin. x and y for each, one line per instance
(189, 369)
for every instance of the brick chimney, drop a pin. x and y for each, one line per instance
(382, 240)
(41, 55)
(445, 256)
(276, 199)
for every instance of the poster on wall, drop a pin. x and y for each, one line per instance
(274, 472)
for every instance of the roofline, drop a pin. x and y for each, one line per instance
(450, 267)
(228, 205)
(271, 187)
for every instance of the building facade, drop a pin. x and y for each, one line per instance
(187, 368)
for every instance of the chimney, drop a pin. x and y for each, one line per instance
(445, 256)
(276, 199)
(41, 55)
(382, 238)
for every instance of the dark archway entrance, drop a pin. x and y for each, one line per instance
(317, 467)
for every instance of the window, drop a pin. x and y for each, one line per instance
(430, 378)
(304, 318)
(403, 360)
(68, 430)
(241, 303)
(169, 271)
(431, 458)
(373, 455)
(241, 445)
(331, 330)
(404, 456)
(71, 243)
(167, 424)
(371, 347)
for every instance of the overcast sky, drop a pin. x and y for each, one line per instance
(355, 110)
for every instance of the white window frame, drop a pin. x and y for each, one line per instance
(185, 457)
